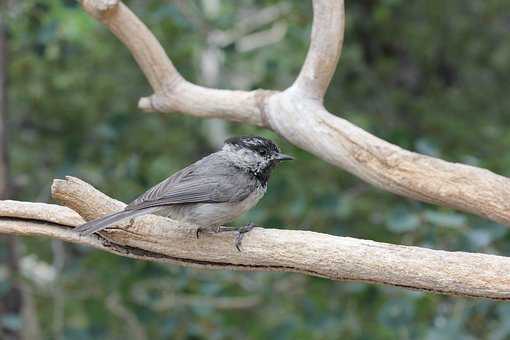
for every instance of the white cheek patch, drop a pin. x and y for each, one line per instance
(247, 158)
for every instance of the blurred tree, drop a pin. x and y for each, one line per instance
(11, 301)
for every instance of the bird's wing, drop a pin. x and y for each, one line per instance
(201, 182)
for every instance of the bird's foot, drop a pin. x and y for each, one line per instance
(241, 232)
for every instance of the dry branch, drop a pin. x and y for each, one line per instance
(297, 114)
(338, 258)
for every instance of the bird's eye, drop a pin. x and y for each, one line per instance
(263, 152)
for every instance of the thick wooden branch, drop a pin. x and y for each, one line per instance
(338, 258)
(386, 165)
(146, 49)
(185, 97)
(172, 93)
(298, 115)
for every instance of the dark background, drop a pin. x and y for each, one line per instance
(430, 76)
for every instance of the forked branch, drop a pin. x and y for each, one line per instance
(146, 49)
(298, 115)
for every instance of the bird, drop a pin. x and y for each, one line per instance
(209, 193)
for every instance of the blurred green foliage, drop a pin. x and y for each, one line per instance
(430, 76)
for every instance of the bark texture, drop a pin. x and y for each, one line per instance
(156, 238)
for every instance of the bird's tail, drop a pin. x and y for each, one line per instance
(104, 222)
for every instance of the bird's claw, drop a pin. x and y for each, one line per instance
(240, 234)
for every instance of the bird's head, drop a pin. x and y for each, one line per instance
(257, 155)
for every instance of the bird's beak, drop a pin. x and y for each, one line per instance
(283, 157)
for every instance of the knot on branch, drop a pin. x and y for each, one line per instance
(158, 103)
(165, 98)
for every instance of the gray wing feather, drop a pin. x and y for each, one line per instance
(210, 180)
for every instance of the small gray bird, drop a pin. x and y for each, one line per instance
(210, 192)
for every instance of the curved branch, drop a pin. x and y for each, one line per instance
(298, 115)
(146, 49)
(325, 48)
(172, 93)
(338, 258)
(308, 125)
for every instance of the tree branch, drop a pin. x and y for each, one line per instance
(298, 115)
(146, 50)
(172, 92)
(338, 258)
(386, 165)
(325, 48)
